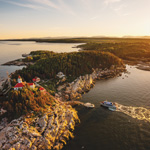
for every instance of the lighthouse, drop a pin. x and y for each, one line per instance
(19, 79)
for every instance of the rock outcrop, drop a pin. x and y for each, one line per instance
(143, 66)
(48, 131)
(18, 62)
(75, 89)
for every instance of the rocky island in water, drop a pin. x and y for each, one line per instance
(37, 103)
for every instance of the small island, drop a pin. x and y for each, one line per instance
(37, 99)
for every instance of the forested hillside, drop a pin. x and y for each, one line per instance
(125, 50)
(48, 64)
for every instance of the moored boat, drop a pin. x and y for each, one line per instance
(89, 105)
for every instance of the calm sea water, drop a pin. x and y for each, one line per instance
(11, 50)
(100, 129)
(125, 129)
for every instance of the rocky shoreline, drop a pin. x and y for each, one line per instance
(52, 129)
(74, 90)
(18, 62)
(142, 65)
(49, 131)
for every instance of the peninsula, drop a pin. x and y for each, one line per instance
(42, 117)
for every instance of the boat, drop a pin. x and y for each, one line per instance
(89, 105)
(25, 55)
(111, 106)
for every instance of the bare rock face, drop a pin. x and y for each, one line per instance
(84, 83)
(49, 131)
(3, 123)
(66, 96)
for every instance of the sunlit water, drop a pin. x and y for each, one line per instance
(11, 50)
(128, 128)
(139, 113)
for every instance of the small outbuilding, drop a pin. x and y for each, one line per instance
(42, 90)
(36, 79)
(32, 85)
(60, 75)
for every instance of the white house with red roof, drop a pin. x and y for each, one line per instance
(32, 85)
(21, 84)
(43, 90)
(36, 79)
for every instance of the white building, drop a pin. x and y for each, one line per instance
(21, 84)
(60, 75)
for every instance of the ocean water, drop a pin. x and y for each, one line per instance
(11, 50)
(128, 128)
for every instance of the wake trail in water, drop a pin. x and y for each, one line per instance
(139, 113)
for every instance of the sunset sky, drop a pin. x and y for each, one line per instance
(54, 18)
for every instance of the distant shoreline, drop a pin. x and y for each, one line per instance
(79, 40)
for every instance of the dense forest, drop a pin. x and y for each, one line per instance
(125, 50)
(95, 40)
(27, 100)
(48, 64)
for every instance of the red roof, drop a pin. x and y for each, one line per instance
(19, 85)
(19, 77)
(34, 79)
(41, 88)
(30, 84)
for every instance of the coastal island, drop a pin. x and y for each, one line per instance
(42, 117)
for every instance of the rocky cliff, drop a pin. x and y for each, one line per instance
(47, 131)
(75, 89)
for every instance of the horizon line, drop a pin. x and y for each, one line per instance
(69, 37)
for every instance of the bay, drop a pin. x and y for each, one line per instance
(125, 129)
(11, 50)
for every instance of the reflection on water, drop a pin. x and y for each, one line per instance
(101, 129)
(11, 50)
(125, 129)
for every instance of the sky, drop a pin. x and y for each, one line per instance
(73, 18)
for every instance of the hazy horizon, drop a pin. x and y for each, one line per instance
(69, 37)
(73, 18)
